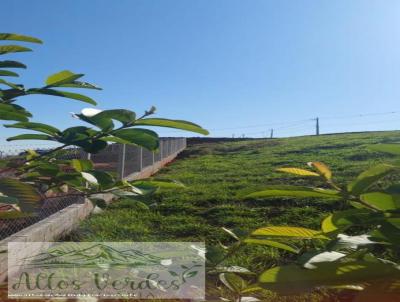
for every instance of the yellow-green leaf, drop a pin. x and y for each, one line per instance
(298, 171)
(272, 243)
(17, 37)
(289, 232)
(62, 77)
(322, 169)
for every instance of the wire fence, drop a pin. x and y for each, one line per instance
(121, 160)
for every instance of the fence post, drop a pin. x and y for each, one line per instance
(121, 161)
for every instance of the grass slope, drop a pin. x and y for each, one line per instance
(217, 174)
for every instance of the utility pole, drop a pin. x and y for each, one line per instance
(272, 133)
(317, 126)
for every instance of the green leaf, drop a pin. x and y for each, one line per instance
(297, 171)
(8, 73)
(234, 282)
(381, 200)
(92, 146)
(65, 94)
(369, 177)
(271, 243)
(289, 233)
(122, 115)
(73, 179)
(81, 165)
(78, 84)
(35, 127)
(294, 279)
(9, 84)
(387, 233)
(22, 38)
(13, 112)
(104, 179)
(62, 77)
(294, 191)
(28, 197)
(4, 49)
(11, 64)
(386, 148)
(340, 221)
(75, 134)
(142, 137)
(30, 136)
(105, 124)
(177, 124)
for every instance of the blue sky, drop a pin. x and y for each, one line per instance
(235, 67)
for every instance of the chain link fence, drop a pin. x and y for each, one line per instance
(121, 160)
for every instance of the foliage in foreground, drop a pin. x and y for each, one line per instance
(345, 253)
(42, 176)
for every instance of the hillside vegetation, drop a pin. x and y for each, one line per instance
(216, 175)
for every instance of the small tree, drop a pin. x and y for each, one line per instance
(40, 176)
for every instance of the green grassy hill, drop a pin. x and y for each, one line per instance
(217, 174)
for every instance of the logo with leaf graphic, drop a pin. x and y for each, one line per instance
(97, 255)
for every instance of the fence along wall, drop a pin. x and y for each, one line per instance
(124, 161)
(128, 162)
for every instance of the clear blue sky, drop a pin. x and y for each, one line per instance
(222, 64)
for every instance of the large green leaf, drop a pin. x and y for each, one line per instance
(13, 112)
(92, 146)
(81, 165)
(7, 73)
(104, 179)
(382, 201)
(4, 49)
(36, 127)
(142, 137)
(122, 115)
(387, 233)
(11, 64)
(234, 282)
(369, 177)
(272, 243)
(9, 84)
(62, 77)
(17, 37)
(65, 94)
(297, 171)
(386, 148)
(292, 278)
(78, 84)
(177, 124)
(294, 191)
(289, 233)
(27, 196)
(30, 136)
(75, 134)
(104, 123)
(340, 221)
